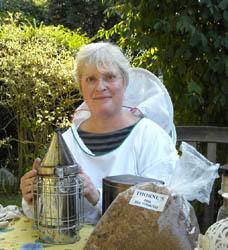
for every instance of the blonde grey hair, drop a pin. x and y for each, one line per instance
(102, 55)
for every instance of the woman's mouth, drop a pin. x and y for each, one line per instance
(101, 97)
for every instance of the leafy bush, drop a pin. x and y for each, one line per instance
(28, 8)
(36, 85)
(84, 14)
(188, 42)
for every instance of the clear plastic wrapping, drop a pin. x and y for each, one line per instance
(194, 175)
(126, 226)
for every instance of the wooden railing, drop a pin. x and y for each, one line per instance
(211, 136)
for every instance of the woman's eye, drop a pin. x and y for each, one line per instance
(110, 77)
(91, 79)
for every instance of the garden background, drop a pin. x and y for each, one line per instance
(185, 42)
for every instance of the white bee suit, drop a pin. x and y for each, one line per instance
(148, 151)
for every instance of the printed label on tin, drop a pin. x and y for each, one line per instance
(149, 200)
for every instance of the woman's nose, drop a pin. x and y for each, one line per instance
(101, 85)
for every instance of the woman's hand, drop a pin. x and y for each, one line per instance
(27, 181)
(90, 191)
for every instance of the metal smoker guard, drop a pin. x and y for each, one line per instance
(58, 195)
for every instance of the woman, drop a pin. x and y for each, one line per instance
(111, 141)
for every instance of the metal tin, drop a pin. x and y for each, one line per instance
(113, 185)
(58, 208)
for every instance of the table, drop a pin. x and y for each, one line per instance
(21, 235)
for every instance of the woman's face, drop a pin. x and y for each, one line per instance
(102, 89)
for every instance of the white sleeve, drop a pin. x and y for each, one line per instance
(161, 170)
(156, 153)
(27, 209)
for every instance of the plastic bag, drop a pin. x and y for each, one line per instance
(132, 223)
(194, 175)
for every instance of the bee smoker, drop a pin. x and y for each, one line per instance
(58, 195)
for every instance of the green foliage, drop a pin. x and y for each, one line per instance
(84, 14)
(36, 84)
(188, 42)
(27, 8)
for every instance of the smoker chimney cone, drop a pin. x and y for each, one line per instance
(58, 153)
(58, 159)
